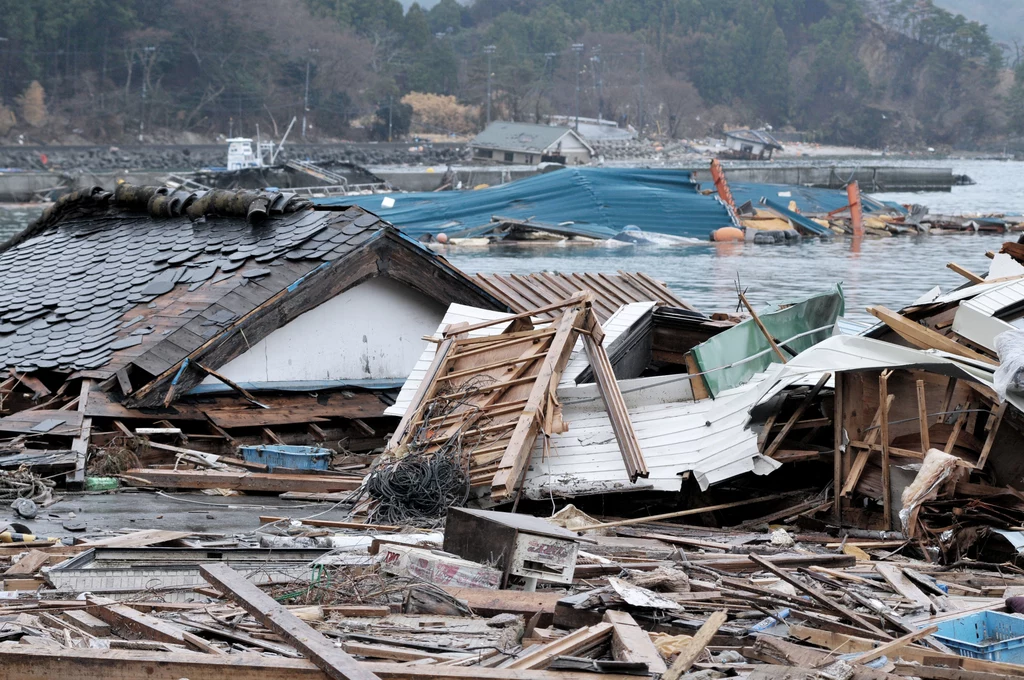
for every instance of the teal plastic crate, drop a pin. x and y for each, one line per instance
(986, 635)
(288, 457)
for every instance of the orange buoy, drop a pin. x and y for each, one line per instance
(727, 234)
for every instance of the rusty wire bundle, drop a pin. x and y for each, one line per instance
(418, 487)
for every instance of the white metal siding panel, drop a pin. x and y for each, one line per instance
(709, 438)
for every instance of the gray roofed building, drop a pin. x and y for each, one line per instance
(529, 143)
(754, 144)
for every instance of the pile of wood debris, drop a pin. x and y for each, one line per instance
(646, 599)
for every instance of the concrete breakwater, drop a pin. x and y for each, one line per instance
(19, 186)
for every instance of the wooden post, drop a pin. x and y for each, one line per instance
(767, 335)
(995, 419)
(80, 444)
(800, 410)
(334, 662)
(922, 415)
(883, 400)
(856, 214)
(837, 459)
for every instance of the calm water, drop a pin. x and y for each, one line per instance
(891, 271)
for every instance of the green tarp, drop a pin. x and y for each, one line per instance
(730, 358)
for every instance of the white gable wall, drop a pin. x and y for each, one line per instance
(374, 330)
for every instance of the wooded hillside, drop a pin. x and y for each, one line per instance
(888, 72)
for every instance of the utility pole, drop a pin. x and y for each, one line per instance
(548, 72)
(145, 77)
(640, 130)
(391, 107)
(599, 81)
(489, 50)
(305, 105)
(578, 49)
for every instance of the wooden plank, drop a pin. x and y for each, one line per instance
(242, 481)
(958, 427)
(267, 519)
(236, 636)
(902, 585)
(846, 644)
(800, 410)
(990, 439)
(25, 662)
(540, 657)
(894, 645)
(27, 565)
(233, 385)
(80, 444)
(695, 646)
(87, 622)
(861, 461)
(487, 602)
(925, 338)
(333, 661)
(922, 416)
(138, 539)
(764, 331)
(135, 625)
(683, 513)
(631, 643)
(966, 273)
(883, 400)
(25, 422)
(818, 596)
(838, 423)
(615, 405)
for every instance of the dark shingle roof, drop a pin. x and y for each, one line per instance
(103, 279)
(519, 136)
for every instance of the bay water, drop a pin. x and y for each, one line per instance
(888, 271)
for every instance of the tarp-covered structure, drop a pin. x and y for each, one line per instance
(594, 202)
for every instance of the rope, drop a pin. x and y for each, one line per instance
(24, 484)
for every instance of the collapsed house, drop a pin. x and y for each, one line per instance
(233, 317)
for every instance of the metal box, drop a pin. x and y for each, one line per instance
(519, 545)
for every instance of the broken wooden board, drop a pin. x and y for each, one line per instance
(23, 662)
(43, 422)
(695, 646)
(241, 481)
(138, 539)
(336, 663)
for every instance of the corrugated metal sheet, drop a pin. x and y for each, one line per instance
(597, 202)
(708, 438)
(530, 291)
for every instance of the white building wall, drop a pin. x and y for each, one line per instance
(371, 331)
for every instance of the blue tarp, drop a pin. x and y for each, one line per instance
(809, 200)
(598, 202)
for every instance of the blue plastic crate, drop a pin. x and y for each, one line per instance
(291, 457)
(986, 635)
